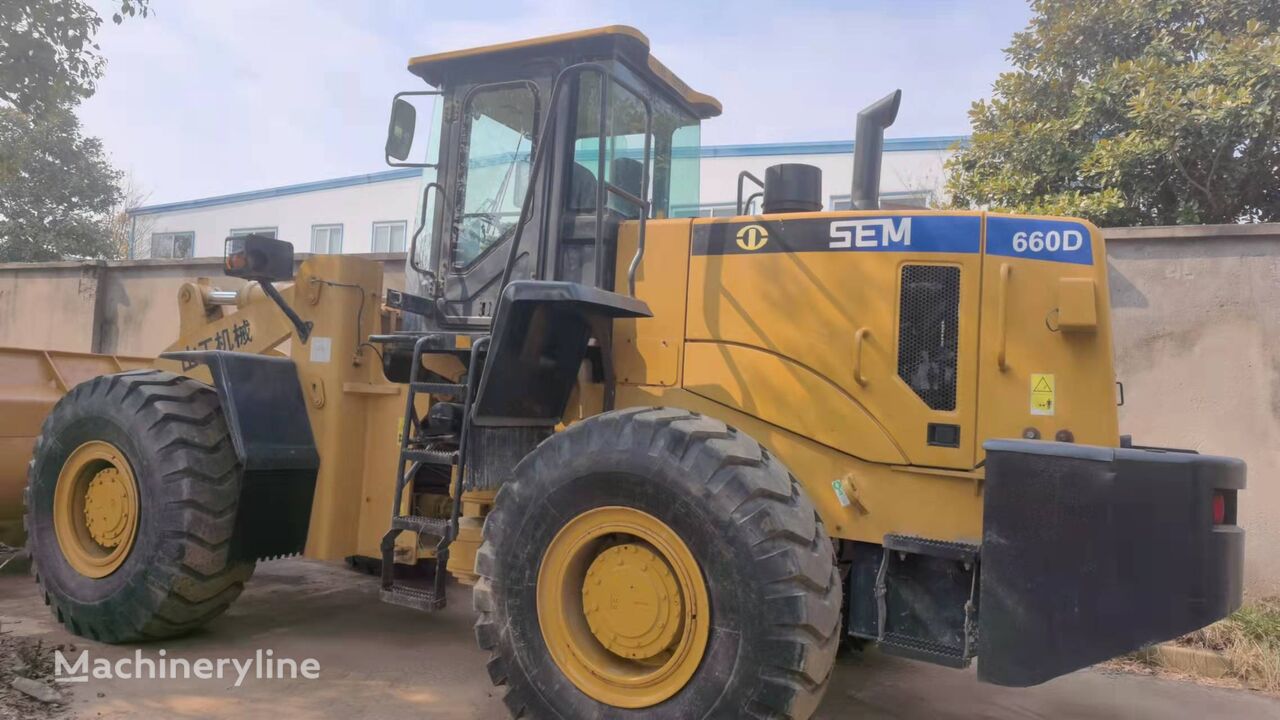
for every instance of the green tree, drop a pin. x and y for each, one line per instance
(58, 202)
(47, 53)
(1133, 112)
(56, 186)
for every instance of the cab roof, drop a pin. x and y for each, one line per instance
(619, 40)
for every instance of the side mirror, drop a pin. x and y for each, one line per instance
(404, 120)
(258, 257)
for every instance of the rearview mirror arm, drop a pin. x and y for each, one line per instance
(300, 327)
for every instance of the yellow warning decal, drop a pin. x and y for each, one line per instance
(1042, 394)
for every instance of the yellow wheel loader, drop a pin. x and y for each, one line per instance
(681, 459)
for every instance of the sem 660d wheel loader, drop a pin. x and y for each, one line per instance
(681, 459)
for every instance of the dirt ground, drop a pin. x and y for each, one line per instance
(381, 661)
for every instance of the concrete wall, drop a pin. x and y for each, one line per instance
(1196, 313)
(1197, 328)
(49, 305)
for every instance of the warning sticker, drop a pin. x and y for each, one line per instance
(1042, 394)
(841, 496)
(321, 349)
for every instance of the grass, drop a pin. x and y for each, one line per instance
(1250, 641)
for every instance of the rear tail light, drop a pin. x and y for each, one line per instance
(1224, 507)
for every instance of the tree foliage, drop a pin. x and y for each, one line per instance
(58, 201)
(1133, 112)
(47, 52)
(56, 186)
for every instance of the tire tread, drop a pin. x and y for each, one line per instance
(197, 475)
(746, 483)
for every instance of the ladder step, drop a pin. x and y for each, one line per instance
(420, 524)
(450, 389)
(416, 598)
(429, 457)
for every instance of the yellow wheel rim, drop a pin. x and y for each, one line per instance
(623, 607)
(95, 509)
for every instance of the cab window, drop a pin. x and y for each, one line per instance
(498, 131)
(673, 168)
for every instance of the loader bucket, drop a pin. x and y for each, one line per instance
(31, 382)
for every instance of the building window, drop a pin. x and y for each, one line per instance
(266, 231)
(389, 236)
(175, 245)
(326, 239)
(718, 210)
(902, 200)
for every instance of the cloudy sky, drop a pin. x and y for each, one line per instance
(205, 98)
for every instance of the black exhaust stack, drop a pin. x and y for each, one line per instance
(868, 149)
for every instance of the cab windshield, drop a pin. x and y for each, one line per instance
(498, 135)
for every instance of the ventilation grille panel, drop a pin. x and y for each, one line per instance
(928, 332)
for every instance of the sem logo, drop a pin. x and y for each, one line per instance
(870, 234)
(752, 237)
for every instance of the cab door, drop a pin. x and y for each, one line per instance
(856, 330)
(497, 129)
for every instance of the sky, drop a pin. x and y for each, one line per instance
(211, 97)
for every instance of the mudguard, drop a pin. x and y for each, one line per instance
(266, 413)
(540, 337)
(1091, 552)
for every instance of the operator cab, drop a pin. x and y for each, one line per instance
(621, 135)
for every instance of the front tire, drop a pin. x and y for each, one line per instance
(131, 499)
(656, 563)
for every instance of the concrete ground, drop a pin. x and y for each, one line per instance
(379, 661)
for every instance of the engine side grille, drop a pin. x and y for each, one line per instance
(928, 328)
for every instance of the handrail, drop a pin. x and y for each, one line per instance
(744, 175)
(859, 338)
(1003, 312)
(422, 225)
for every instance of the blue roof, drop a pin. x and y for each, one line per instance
(832, 147)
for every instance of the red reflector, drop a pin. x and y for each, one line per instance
(1219, 509)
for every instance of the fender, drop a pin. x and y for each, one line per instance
(262, 401)
(540, 337)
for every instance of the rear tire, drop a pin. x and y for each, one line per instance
(178, 574)
(765, 558)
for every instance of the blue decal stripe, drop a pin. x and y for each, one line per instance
(1065, 241)
(958, 234)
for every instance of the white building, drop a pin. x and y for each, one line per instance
(375, 212)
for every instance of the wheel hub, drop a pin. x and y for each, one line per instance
(622, 607)
(631, 601)
(106, 508)
(95, 509)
